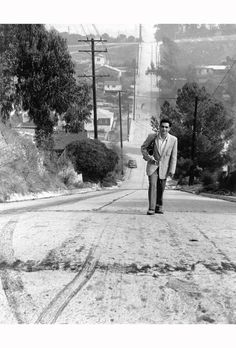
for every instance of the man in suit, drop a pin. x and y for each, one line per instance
(161, 163)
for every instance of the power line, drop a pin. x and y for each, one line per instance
(92, 51)
(84, 30)
(224, 77)
(103, 45)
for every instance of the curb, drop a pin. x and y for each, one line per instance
(225, 198)
(50, 194)
(211, 195)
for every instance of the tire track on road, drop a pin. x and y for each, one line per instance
(115, 200)
(51, 313)
(20, 302)
(53, 310)
(6, 242)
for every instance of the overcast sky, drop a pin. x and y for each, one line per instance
(111, 29)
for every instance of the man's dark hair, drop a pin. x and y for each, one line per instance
(166, 120)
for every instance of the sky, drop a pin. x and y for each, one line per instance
(107, 16)
(111, 13)
(110, 29)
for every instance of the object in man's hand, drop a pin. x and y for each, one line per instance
(150, 147)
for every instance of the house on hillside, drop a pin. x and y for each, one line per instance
(114, 73)
(105, 119)
(111, 81)
(62, 139)
(112, 86)
(205, 72)
(100, 60)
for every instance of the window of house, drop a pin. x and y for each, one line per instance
(104, 121)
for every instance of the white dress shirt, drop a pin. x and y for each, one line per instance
(161, 143)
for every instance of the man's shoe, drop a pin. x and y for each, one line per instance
(159, 210)
(150, 212)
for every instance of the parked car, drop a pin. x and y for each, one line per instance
(132, 164)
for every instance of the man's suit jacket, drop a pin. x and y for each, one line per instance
(166, 160)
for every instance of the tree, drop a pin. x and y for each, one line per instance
(91, 158)
(45, 76)
(231, 86)
(131, 38)
(121, 38)
(227, 29)
(231, 151)
(167, 30)
(213, 127)
(106, 37)
(7, 75)
(79, 111)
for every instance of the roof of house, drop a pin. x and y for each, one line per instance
(62, 139)
(112, 82)
(214, 67)
(110, 68)
(101, 113)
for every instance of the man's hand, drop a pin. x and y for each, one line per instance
(153, 161)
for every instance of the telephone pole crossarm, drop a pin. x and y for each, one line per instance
(89, 51)
(95, 40)
(92, 75)
(93, 51)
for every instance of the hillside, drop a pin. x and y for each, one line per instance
(118, 54)
(21, 167)
(206, 51)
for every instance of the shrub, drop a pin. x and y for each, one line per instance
(211, 187)
(69, 176)
(207, 178)
(231, 182)
(109, 180)
(183, 167)
(91, 158)
(222, 177)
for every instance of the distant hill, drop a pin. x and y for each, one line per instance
(207, 51)
(72, 39)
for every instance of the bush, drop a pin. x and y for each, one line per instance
(183, 167)
(69, 176)
(230, 183)
(109, 180)
(208, 178)
(222, 177)
(91, 158)
(211, 187)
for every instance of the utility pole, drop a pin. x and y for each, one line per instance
(121, 135)
(134, 90)
(128, 124)
(121, 140)
(140, 33)
(92, 41)
(193, 150)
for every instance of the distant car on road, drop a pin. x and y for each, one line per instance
(132, 164)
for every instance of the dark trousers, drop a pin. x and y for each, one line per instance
(155, 190)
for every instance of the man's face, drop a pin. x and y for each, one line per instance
(164, 129)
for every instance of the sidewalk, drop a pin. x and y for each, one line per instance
(205, 194)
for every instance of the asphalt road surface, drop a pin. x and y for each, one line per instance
(97, 257)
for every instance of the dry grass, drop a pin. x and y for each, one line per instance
(21, 167)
